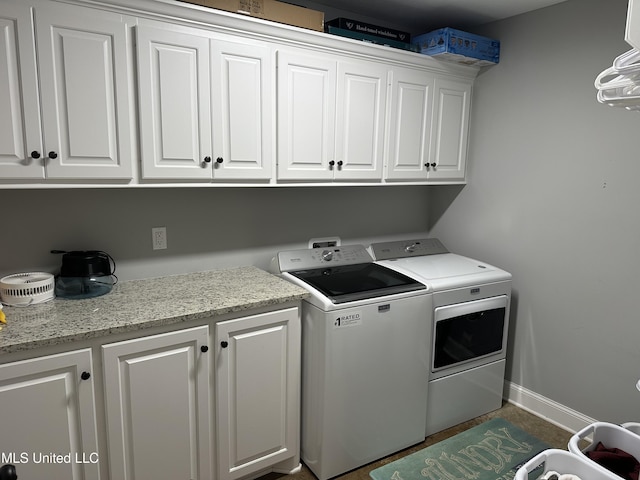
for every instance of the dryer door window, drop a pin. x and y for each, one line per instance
(469, 331)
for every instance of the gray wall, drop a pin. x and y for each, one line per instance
(207, 228)
(553, 197)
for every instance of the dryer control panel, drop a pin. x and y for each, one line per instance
(407, 248)
(305, 259)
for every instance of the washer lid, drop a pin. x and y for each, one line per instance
(448, 270)
(350, 283)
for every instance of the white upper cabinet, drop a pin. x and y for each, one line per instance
(361, 102)
(20, 132)
(205, 106)
(429, 126)
(243, 97)
(452, 102)
(84, 81)
(83, 92)
(410, 125)
(174, 104)
(331, 118)
(145, 92)
(306, 116)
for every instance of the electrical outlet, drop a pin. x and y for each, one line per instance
(159, 238)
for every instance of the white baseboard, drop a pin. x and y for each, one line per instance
(546, 408)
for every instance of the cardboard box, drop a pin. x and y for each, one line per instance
(370, 38)
(459, 47)
(270, 10)
(369, 29)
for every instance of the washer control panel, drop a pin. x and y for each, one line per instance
(319, 257)
(407, 248)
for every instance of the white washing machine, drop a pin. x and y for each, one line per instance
(365, 348)
(470, 321)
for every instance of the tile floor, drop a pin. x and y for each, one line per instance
(536, 426)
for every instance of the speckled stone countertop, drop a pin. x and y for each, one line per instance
(139, 304)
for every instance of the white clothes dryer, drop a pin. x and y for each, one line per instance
(470, 318)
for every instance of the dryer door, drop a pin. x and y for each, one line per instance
(468, 332)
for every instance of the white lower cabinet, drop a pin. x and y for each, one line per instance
(48, 417)
(157, 404)
(165, 421)
(257, 393)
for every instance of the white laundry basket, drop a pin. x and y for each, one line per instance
(611, 436)
(632, 427)
(563, 462)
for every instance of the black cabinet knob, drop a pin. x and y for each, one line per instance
(207, 159)
(332, 163)
(53, 155)
(433, 164)
(85, 375)
(224, 344)
(219, 160)
(340, 163)
(204, 349)
(8, 472)
(35, 154)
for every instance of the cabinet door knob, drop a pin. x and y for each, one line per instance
(8, 472)
(219, 160)
(53, 155)
(433, 164)
(206, 160)
(340, 163)
(224, 344)
(85, 375)
(35, 154)
(204, 349)
(332, 163)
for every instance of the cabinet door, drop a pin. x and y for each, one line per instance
(243, 124)
(48, 409)
(174, 103)
(257, 392)
(20, 132)
(410, 125)
(306, 116)
(360, 121)
(83, 61)
(450, 129)
(157, 404)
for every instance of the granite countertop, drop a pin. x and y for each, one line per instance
(139, 304)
